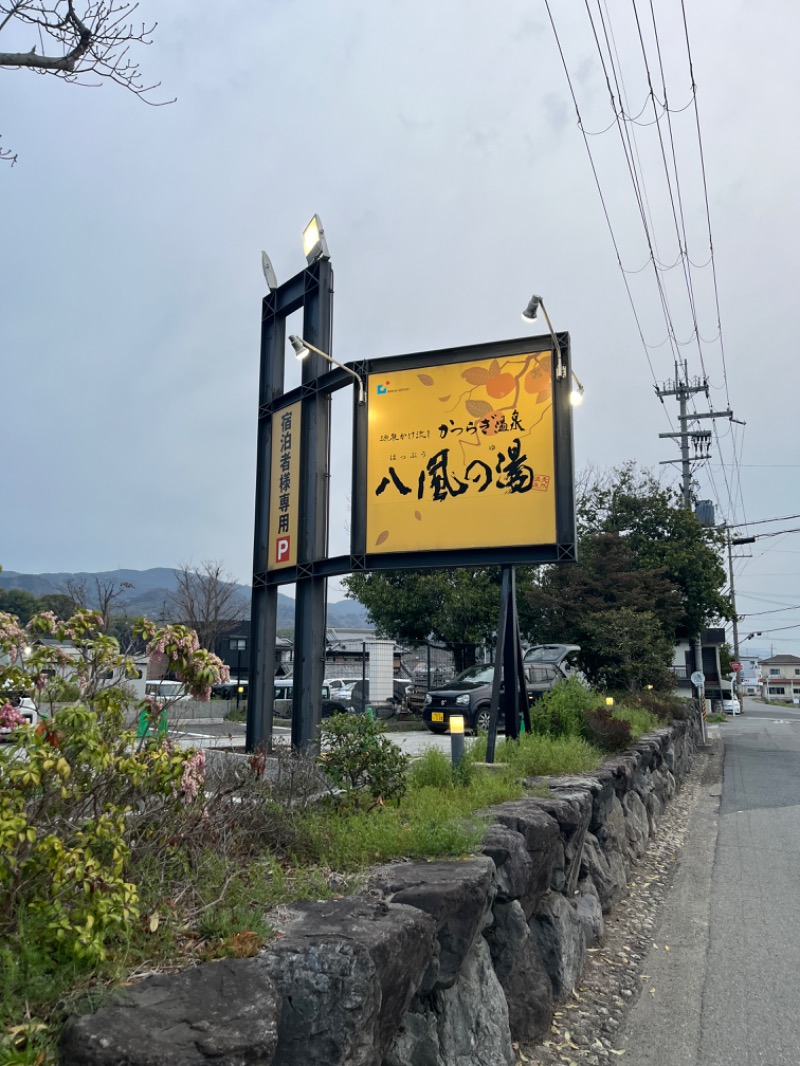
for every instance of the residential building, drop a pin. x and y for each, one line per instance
(233, 647)
(684, 664)
(780, 677)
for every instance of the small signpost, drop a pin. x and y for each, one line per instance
(698, 679)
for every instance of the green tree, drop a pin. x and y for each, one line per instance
(19, 602)
(663, 534)
(59, 603)
(636, 650)
(623, 618)
(458, 607)
(647, 573)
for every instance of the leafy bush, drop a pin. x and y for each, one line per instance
(606, 732)
(639, 719)
(560, 712)
(359, 759)
(663, 705)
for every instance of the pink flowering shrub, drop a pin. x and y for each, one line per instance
(10, 717)
(193, 775)
(87, 791)
(178, 651)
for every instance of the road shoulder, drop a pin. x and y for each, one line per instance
(640, 992)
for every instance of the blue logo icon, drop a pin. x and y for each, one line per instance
(381, 390)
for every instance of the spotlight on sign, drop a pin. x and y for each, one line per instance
(314, 244)
(536, 304)
(302, 348)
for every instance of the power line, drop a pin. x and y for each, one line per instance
(606, 214)
(777, 533)
(763, 522)
(605, 43)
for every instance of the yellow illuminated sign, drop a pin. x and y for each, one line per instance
(284, 488)
(462, 455)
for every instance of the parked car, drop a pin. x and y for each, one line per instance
(564, 656)
(338, 685)
(357, 695)
(166, 690)
(284, 692)
(25, 707)
(470, 694)
(731, 705)
(229, 690)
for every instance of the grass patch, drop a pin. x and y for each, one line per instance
(534, 755)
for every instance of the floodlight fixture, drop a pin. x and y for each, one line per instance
(269, 273)
(314, 244)
(302, 348)
(576, 395)
(529, 315)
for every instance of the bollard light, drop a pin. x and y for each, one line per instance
(456, 739)
(609, 701)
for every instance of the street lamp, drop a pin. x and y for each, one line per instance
(529, 315)
(302, 348)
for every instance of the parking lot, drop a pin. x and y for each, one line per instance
(218, 733)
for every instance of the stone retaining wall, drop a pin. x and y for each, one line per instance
(444, 963)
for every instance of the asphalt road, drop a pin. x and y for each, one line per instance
(726, 993)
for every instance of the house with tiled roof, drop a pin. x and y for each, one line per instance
(780, 677)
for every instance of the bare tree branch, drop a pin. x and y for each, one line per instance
(208, 600)
(105, 595)
(79, 46)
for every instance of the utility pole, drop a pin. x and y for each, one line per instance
(682, 388)
(733, 591)
(731, 542)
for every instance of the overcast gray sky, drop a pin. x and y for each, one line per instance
(438, 142)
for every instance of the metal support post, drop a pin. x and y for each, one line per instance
(508, 684)
(311, 591)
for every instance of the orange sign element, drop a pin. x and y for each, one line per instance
(284, 488)
(462, 455)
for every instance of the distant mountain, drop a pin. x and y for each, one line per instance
(152, 594)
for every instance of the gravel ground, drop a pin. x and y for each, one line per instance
(585, 1027)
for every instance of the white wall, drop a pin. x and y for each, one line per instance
(381, 670)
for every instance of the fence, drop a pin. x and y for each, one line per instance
(431, 665)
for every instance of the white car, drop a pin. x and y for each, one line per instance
(337, 685)
(731, 705)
